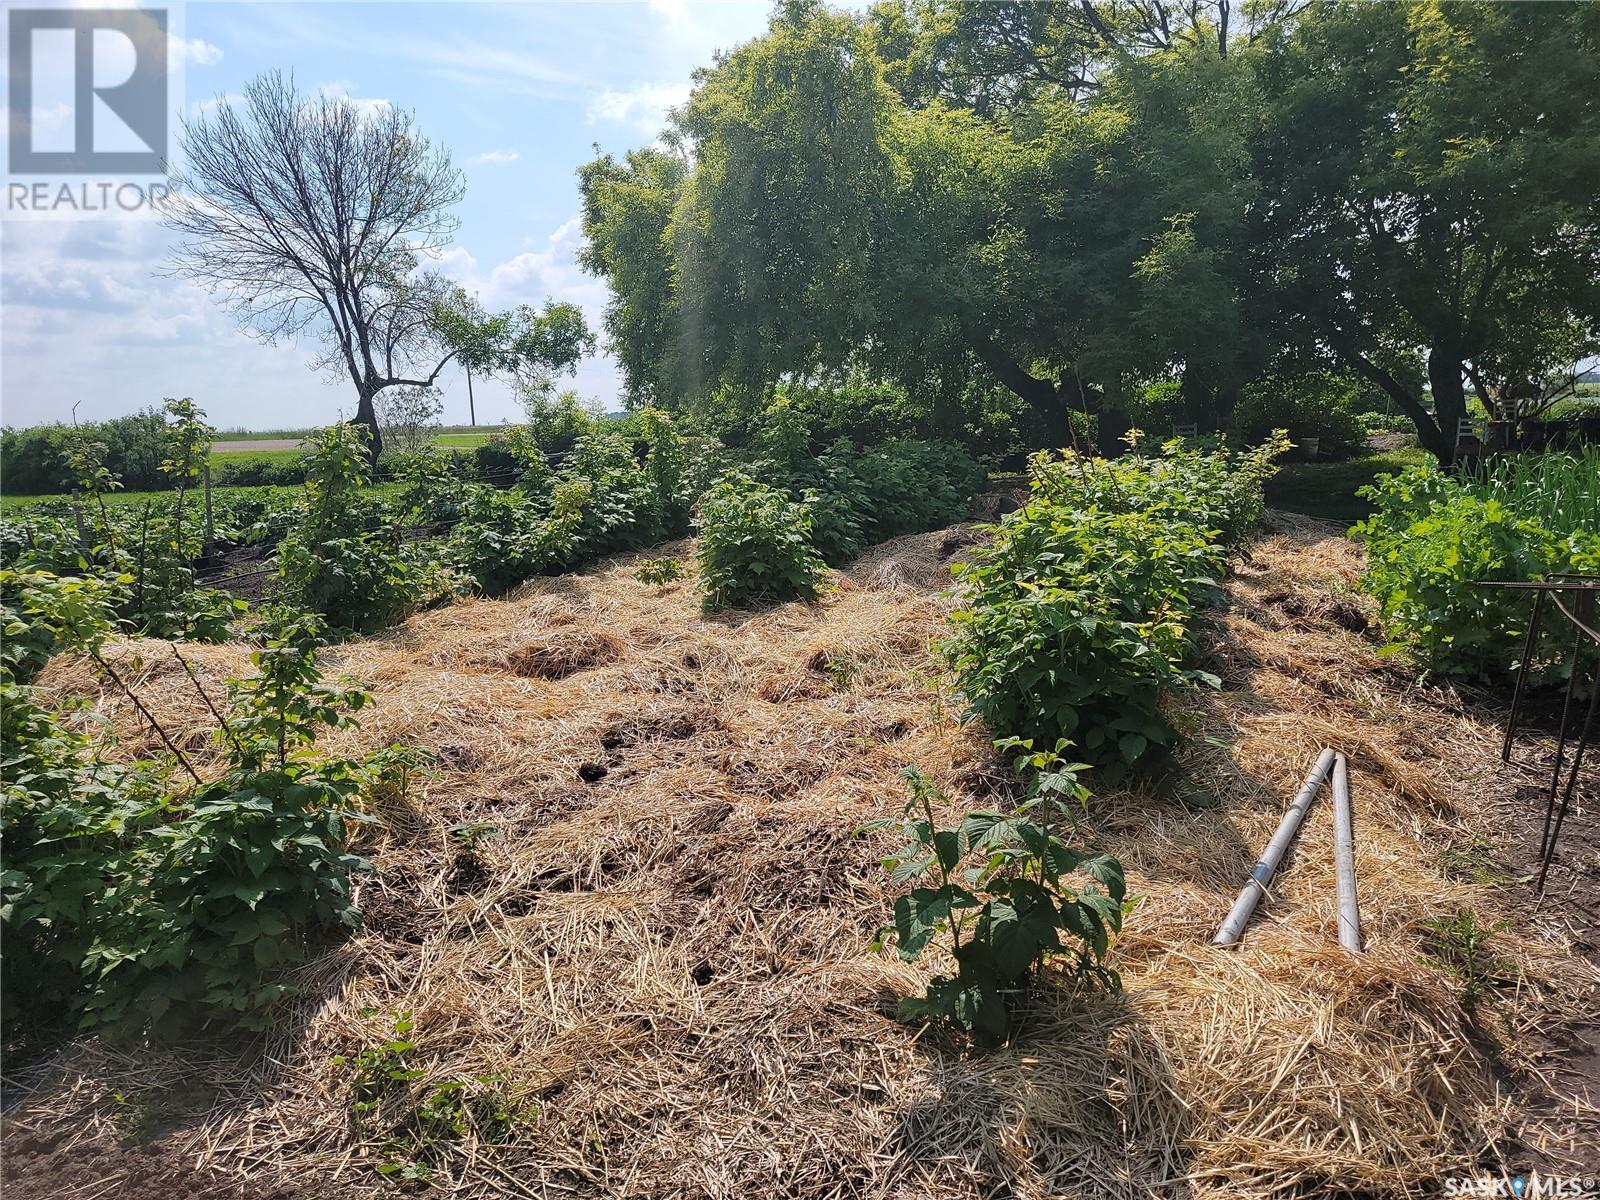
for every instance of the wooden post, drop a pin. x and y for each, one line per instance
(205, 476)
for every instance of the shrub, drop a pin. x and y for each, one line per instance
(503, 538)
(1077, 620)
(755, 545)
(1006, 912)
(342, 560)
(259, 471)
(1434, 536)
(658, 572)
(858, 497)
(1310, 405)
(558, 423)
(129, 892)
(37, 459)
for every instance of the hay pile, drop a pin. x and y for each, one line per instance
(664, 948)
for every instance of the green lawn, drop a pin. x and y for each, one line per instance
(12, 505)
(219, 457)
(1328, 490)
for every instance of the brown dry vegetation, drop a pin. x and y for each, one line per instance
(665, 949)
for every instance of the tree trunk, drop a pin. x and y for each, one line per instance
(472, 408)
(1431, 431)
(1449, 400)
(1042, 396)
(367, 414)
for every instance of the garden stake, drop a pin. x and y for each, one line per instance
(1344, 858)
(1256, 886)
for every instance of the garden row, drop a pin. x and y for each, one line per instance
(184, 886)
(363, 557)
(1075, 623)
(1435, 536)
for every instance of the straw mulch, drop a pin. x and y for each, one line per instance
(664, 948)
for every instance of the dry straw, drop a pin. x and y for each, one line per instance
(667, 952)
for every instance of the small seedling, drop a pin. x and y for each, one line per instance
(470, 835)
(417, 1120)
(1462, 946)
(839, 669)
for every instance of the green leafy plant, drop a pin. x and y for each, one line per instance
(755, 545)
(1463, 946)
(997, 886)
(1434, 537)
(342, 560)
(416, 1120)
(132, 892)
(1077, 621)
(658, 572)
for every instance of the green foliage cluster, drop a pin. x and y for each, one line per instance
(146, 553)
(134, 891)
(1012, 908)
(1078, 619)
(1069, 201)
(1462, 945)
(416, 1119)
(342, 559)
(1434, 535)
(1308, 405)
(39, 459)
(768, 540)
(755, 545)
(604, 498)
(658, 572)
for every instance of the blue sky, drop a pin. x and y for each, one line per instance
(518, 92)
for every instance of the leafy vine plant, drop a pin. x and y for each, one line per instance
(1003, 893)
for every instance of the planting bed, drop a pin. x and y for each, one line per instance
(657, 938)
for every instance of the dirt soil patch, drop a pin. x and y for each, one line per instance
(666, 958)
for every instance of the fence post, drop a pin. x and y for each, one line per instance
(205, 475)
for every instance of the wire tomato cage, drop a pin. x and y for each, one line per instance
(1574, 598)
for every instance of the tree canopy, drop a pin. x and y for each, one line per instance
(1073, 199)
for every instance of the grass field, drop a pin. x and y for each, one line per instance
(472, 433)
(1328, 490)
(13, 505)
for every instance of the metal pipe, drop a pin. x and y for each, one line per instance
(1344, 858)
(1256, 886)
(1561, 741)
(1572, 781)
(1522, 675)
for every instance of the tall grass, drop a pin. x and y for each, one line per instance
(1561, 491)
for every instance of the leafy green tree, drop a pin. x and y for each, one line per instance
(859, 199)
(532, 346)
(627, 217)
(1430, 179)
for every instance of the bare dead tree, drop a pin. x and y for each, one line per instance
(311, 216)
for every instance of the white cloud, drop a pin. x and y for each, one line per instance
(493, 156)
(343, 89)
(643, 107)
(673, 10)
(195, 50)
